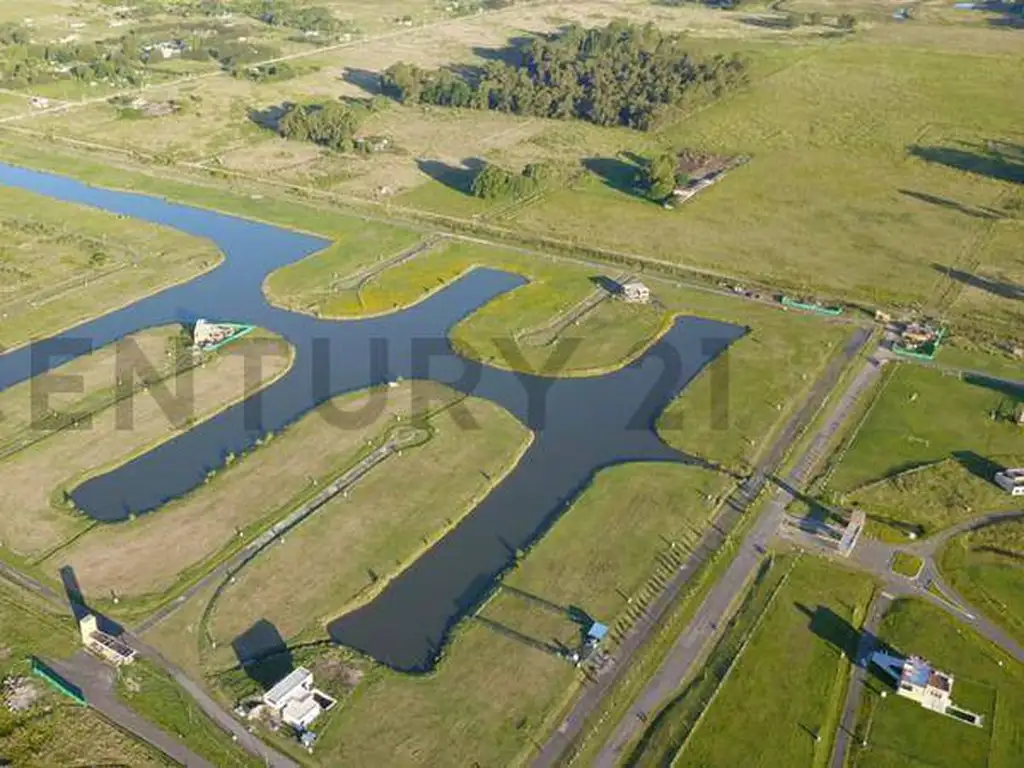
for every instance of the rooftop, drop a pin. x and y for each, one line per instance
(278, 695)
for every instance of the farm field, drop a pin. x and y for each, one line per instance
(452, 716)
(911, 467)
(62, 263)
(987, 567)
(54, 730)
(39, 467)
(381, 524)
(899, 732)
(788, 684)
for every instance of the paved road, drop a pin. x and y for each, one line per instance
(96, 681)
(695, 641)
(848, 722)
(725, 521)
(875, 556)
(100, 694)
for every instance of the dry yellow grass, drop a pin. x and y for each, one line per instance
(31, 525)
(153, 550)
(387, 518)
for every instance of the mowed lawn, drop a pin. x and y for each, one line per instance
(901, 733)
(833, 199)
(492, 694)
(159, 550)
(40, 465)
(62, 264)
(356, 542)
(987, 567)
(924, 416)
(789, 682)
(55, 731)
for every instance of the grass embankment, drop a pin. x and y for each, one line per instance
(63, 263)
(669, 729)
(925, 456)
(906, 564)
(986, 566)
(239, 501)
(900, 732)
(380, 525)
(787, 687)
(55, 730)
(156, 697)
(41, 465)
(496, 688)
(724, 414)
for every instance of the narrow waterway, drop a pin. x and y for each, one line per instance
(581, 424)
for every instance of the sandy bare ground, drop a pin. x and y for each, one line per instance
(30, 524)
(152, 551)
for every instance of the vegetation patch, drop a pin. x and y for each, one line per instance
(897, 731)
(906, 564)
(924, 416)
(986, 566)
(783, 698)
(622, 74)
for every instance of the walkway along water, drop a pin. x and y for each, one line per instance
(581, 424)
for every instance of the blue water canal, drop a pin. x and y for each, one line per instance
(581, 425)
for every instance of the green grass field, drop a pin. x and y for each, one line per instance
(156, 697)
(62, 264)
(925, 454)
(601, 551)
(382, 524)
(789, 682)
(987, 567)
(669, 729)
(906, 565)
(55, 730)
(901, 733)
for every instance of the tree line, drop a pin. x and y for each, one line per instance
(621, 74)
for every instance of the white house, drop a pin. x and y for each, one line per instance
(919, 681)
(1011, 481)
(295, 701)
(636, 292)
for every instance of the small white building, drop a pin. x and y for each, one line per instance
(295, 701)
(919, 681)
(1011, 481)
(636, 292)
(108, 647)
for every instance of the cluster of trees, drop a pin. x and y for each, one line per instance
(659, 175)
(332, 124)
(25, 63)
(494, 182)
(621, 74)
(265, 73)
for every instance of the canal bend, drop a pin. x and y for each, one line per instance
(581, 424)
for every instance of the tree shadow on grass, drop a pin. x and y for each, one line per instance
(855, 644)
(617, 174)
(999, 288)
(953, 205)
(270, 118)
(1003, 161)
(263, 654)
(364, 79)
(459, 178)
